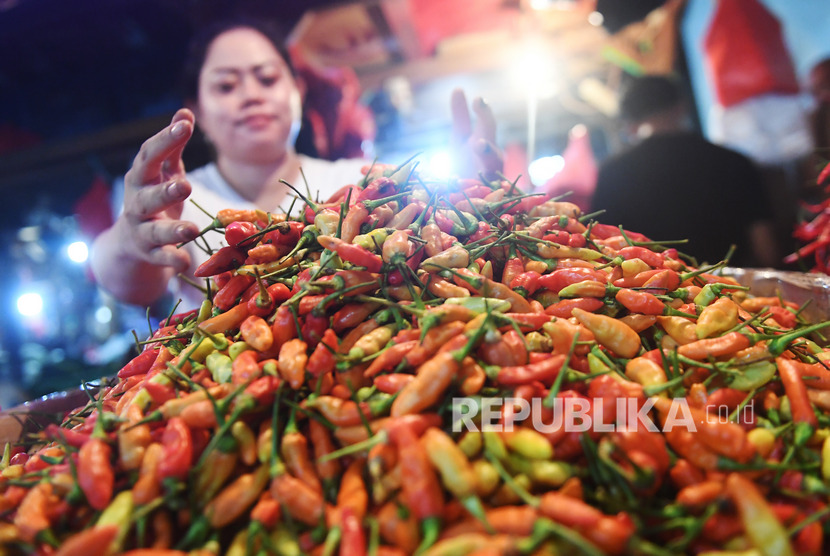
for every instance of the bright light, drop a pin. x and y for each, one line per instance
(103, 315)
(596, 19)
(534, 67)
(30, 304)
(543, 169)
(78, 251)
(439, 165)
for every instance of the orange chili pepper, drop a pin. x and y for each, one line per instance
(292, 362)
(95, 473)
(32, 514)
(715, 347)
(431, 380)
(148, 485)
(564, 309)
(295, 453)
(302, 502)
(95, 540)
(796, 390)
(236, 497)
(256, 333)
(229, 320)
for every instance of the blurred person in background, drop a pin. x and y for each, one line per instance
(673, 184)
(819, 89)
(247, 103)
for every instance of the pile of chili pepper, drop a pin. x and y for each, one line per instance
(813, 231)
(311, 405)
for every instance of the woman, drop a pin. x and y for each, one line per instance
(247, 103)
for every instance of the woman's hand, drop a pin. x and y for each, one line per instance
(474, 144)
(135, 258)
(154, 189)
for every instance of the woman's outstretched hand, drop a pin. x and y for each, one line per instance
(154, 189)
(137, 256)
(474, 143)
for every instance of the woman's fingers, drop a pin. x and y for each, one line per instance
(156, 241)
(161, 153)
(474, 144)
(461, 122)
(485, 121)
(153, 199)
(169, 255)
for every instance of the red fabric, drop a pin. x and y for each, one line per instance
(93, 210)
(746, 53)
(339, 121)
(436, 20)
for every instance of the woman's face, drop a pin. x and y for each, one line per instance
(249, 104)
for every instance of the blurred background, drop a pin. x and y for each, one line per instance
(83, 84)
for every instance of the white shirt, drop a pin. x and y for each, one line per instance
(213, 193)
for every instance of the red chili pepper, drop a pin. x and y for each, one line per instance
(664, 281)
(564, 308)
(354, 254)
(227, 296)
(562, 277)
(526, 283)
(640, 302)
(390, 357)
(177, 456)
(352, 540)
(565, 238)
(351, 314)
(513, 267)
(377, 188)
(285, 233)
(784, 317)
(70, 437)
(422, 489)
(652, 259)
(823, 175)
(392, 383)
(685, 474)
(140, 364)
(263, 303)
(725, 398)
(609, 534)
(605, 231)
(313, 328)
(223, 260)
(544, 371)
(237, 232)
(323, 357)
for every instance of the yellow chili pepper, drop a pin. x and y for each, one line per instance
(611, 333)
(646, 372)
(372, 342)
(717, 318)
(118, 513)
(762, 527)
(528, 443)
(680, 329)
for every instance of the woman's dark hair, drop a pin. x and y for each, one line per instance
(201, 41)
